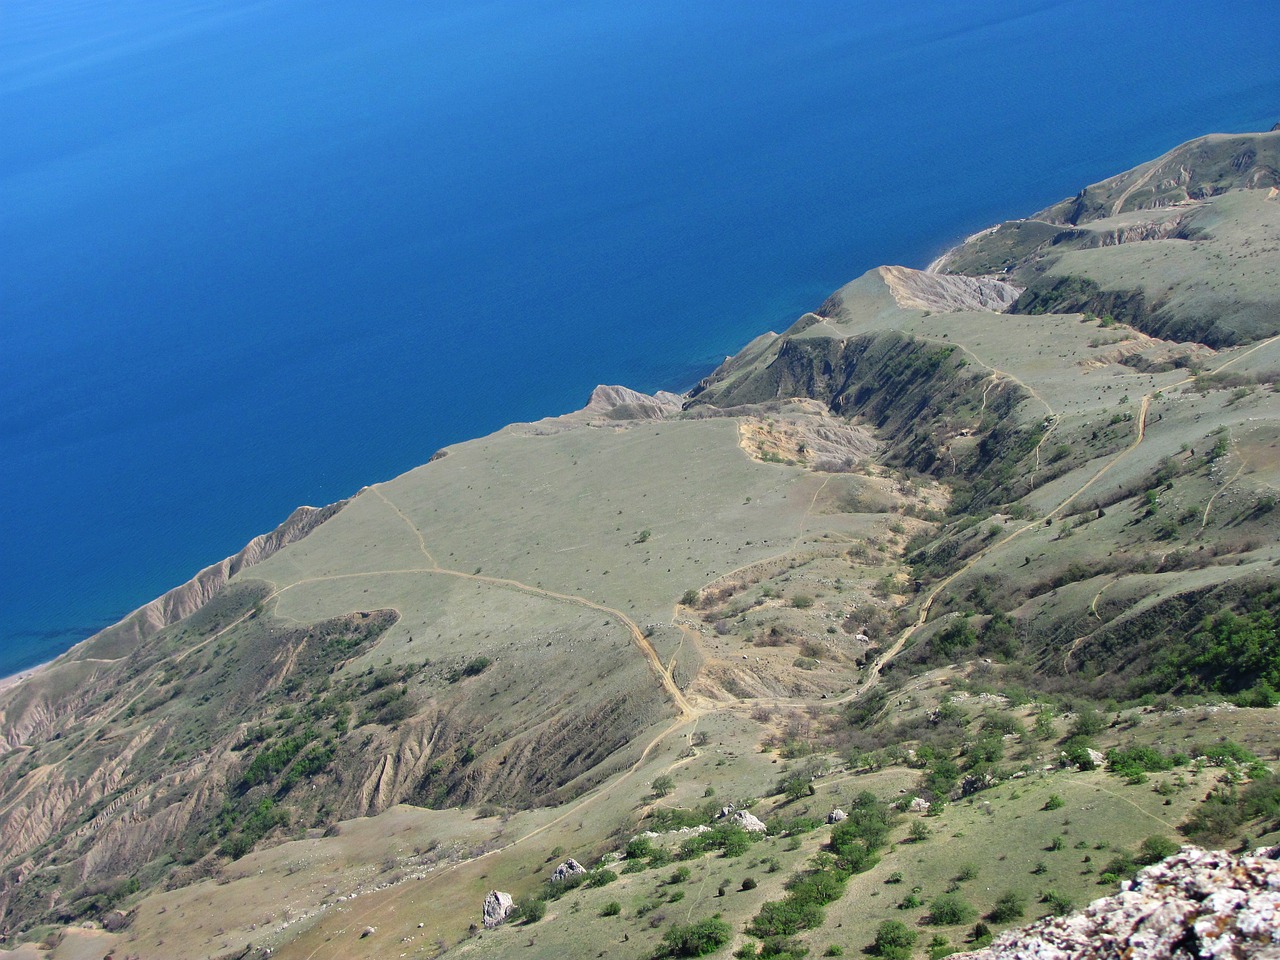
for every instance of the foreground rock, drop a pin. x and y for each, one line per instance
(497, 907)
(1196, 904)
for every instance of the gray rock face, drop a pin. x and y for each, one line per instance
(497, 907)
(748, 821)
(835, 816)
(1196, 904)
(919, 805)
(570, 868)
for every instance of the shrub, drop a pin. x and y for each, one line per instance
(1155, 849)
(893, 941)
(1133, 761)
(1059, 905)
(1054, 802)
(696, 939)
(663, 785)
(948, 909)
(639, 848)
(598, 878)
(1009, 907)
(531, 909)
(748, 883)
(611, 909)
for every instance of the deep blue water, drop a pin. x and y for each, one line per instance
(257, 254)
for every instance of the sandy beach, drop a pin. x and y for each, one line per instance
(17, 678)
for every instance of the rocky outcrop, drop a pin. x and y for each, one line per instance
(570, 868)
(497, 907)
(608, 405)
(748, 821)
(835, 816)
(947, 293)
(1196, 904)
(623, 403)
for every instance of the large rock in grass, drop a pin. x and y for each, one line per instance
(748, 821)
(497, 907)
(570, 868)
(1197, 904)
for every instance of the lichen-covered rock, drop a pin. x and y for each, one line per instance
(570, 868)
(497, 907)
(919, 805)
(1196, 905)
(835, 816)
(747, 821)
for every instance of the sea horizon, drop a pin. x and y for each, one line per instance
(260, 255)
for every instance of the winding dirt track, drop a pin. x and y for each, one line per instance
(688, 713)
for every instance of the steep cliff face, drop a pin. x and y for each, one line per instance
(184, 600)
(917, 396)
(946, 293)
(30, 710)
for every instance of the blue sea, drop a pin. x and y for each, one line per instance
(258, 253)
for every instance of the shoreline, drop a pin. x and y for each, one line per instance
(16, 678)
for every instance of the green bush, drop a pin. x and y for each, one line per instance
(598, 878)
(893, 941)
(611, 909)
(531, 909)
(1009, 907)
(1155, 849)
(1059, 906)
(639, 848)
(1136, 760)
(696, 939)
(1054, 802)
(947, 910)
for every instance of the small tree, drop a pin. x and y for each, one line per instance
(663, 785)
(947, 910)
(893, 941)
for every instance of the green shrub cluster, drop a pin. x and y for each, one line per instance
(1222, 813)
(1136, 761)
(894, 940)
(695, 939)
(854, 842)
(729, 838)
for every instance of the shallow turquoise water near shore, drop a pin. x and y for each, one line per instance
(256, 254)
